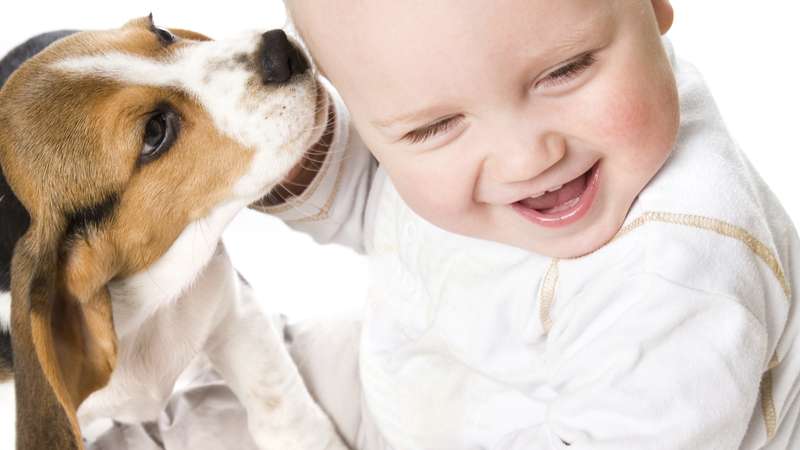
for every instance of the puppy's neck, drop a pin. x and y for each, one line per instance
(137, 297)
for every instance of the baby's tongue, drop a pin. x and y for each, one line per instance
(551, 200)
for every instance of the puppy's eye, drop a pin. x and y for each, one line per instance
(165, 36)
(160, 133)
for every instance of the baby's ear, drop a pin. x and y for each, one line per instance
(664, 14)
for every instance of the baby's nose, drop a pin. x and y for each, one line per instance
(279, 59)
(521, 160)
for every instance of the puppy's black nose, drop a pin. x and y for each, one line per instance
(279, 58)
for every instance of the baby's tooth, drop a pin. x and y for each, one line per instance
(538, 195)
(553, 189)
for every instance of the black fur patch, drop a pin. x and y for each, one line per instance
(6, 355)
(28, 49)
(81, 220)
(14, 221)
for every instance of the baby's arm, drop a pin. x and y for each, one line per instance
(651, 365)
(327, 195)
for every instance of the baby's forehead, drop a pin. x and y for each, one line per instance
(387, 57)
(343, 27)
(375, 33)
(393, 16)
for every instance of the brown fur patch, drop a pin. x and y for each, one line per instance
(6, 365)
(45, 409)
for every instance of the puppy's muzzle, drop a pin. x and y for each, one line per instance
(279, 59)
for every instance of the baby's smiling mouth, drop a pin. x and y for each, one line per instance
(565, 205)
(560, 199)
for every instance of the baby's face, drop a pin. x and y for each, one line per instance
(534, 123)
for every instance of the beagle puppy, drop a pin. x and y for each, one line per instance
(124, 155)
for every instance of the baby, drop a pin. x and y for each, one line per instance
(567, 248)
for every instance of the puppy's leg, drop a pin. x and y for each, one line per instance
(247, 349)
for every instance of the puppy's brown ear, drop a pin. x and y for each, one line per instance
(64, 347)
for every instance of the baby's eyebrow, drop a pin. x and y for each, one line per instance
(431, 112)
(577, 36)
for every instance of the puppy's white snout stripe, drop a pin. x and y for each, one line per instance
(122, 67)
(5, 311)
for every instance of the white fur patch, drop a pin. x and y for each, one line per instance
(5, 311)
(123, 67)
(8, 416)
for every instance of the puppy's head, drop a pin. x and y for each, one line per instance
(115, 141)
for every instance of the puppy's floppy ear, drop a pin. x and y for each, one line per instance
(62, 330)
(64, 347)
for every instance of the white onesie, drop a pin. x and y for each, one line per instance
(678, 334)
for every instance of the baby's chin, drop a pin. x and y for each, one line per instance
(593, 233)
(577, 245)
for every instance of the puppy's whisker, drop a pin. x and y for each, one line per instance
(290, 201)
(313, 208)
(334, 157)
(306, 208)
(290, 183)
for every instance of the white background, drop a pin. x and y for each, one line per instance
(748, 52)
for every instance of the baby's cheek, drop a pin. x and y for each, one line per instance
(642, 121)
(440, 196)
(625, 117)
